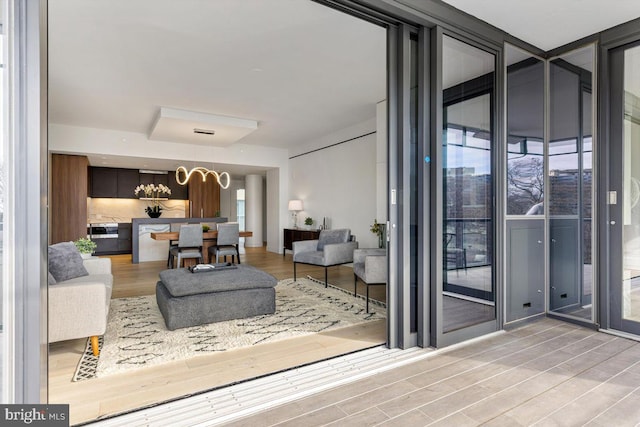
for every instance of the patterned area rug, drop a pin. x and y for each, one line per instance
(137, 337)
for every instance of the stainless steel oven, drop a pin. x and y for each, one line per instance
(102, 231)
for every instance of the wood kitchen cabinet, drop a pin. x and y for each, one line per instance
(204, 198)
(68, 197)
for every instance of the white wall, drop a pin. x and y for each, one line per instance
(381, 161)
(339, 182)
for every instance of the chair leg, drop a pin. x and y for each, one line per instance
(179, 260)
(325, 278)
(367, 297)
(294, 271)
(94, 345)
(238, 252)
(355, 285)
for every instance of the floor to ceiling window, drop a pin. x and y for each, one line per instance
(525, 185)
(468, 296)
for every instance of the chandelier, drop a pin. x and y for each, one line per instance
(203, 172)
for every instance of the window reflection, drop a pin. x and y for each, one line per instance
(571, 183)
(525, 132)
(468, 185)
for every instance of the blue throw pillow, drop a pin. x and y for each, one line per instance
(65, 262)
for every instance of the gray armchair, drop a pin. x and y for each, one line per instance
(370, 265)
(333, 247)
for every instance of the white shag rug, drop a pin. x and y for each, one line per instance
(137, 337)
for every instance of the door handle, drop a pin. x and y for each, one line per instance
(612, 222)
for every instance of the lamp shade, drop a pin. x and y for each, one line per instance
(295, 205)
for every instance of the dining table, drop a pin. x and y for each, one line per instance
(208, 238)
(206, 235)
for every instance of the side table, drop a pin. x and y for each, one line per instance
(296, 234)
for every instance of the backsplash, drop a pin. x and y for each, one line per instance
(122, 210)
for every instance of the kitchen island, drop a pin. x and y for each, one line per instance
(144, 248)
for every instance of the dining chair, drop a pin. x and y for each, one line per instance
(189, 243)
(172, 243)
(227, 242)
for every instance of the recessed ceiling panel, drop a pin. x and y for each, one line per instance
(192, 127)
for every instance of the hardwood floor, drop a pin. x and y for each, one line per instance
(100, 397)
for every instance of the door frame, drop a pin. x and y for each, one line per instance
(611, 225)
(438, 337)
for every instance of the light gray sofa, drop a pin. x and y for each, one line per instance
(79, 307)
(333, 247)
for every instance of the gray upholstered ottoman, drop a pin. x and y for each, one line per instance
(190, 299)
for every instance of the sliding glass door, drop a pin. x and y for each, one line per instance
(467, 296)
(624, 194)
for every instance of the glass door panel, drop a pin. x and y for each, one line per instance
(570, 193)
(625, 179)
(468, 296)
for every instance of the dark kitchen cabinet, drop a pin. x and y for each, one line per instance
(106, 246)
(178, 192)
(121, 183)
(128, 180)
(154, 178)
(103, 182)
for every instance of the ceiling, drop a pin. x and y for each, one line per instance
(299, 69)
(548, 24)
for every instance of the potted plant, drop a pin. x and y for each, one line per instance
(205, 228)
(308, 221)
(85, 246)
(378, 230)
(153, 193)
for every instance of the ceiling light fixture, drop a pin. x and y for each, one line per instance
(203, 172)
(204, 131)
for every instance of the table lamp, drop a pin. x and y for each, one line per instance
(295, 206)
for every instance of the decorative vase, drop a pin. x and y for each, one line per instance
(154, 211)
(85, 255)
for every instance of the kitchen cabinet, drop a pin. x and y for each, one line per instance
(204, 198)
(154, 178)
(68, 197)
(294, 235)
(121, 183)
(103, 182)
(128, 180)
(178, 192)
